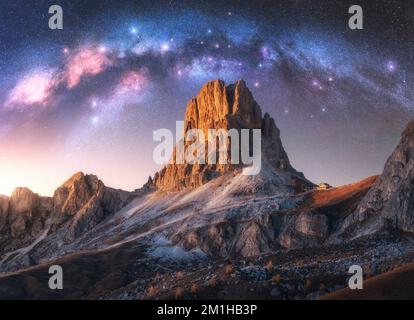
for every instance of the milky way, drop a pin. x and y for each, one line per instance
(88, 97)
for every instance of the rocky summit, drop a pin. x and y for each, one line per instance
(221, 106)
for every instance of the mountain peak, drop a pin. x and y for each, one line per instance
(75, 192)
(221, 106)
(218, 106)
(80, 177)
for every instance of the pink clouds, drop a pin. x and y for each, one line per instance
(32, 89)
(39, 86)
(86, 61)
(132, 81)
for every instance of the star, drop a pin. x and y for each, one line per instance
(133, 30)
(391, 66)
(95, 120)
(165, 47)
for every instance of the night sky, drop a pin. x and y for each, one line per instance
(88, 97)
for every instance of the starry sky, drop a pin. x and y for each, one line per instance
(88, 97)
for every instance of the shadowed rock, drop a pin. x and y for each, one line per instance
(390, 202)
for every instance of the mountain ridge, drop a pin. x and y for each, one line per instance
(188, 219)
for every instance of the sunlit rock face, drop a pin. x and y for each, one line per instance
(218, 106)
(84, 201)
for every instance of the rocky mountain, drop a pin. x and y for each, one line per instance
(390, 202)
(84, 201)
(230, 235)
(218, 106)
(77, 206)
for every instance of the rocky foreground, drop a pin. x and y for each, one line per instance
(208, 231)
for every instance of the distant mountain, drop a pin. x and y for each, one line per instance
(390, 202)
(77, 206)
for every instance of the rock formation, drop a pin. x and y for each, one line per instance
(85, 201)
(218, 106)
(390, 202)
(24, 213)
(78, 205)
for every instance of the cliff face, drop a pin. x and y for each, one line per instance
(24, 213)
(390, 202)
(218, 106)
(84, 200)
(81, 202)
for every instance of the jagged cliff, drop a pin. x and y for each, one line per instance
(218, 106)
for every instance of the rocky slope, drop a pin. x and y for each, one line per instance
(218, 106)
(144, 264)
(390, 202)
